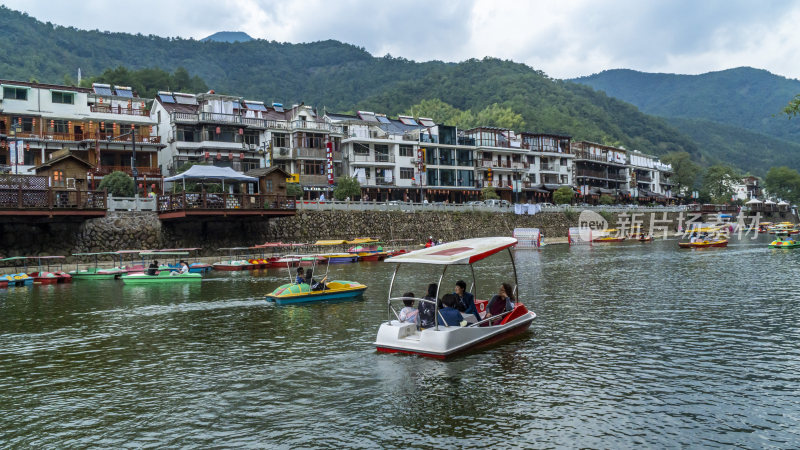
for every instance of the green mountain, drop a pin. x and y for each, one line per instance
(228, 36)
(336, 76)
(744, 97)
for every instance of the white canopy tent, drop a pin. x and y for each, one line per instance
(754, 201)
(201, 172)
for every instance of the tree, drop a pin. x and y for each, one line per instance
(718, 183)
(606, 199)
(347, 187)
(294, 189)
(793, 108)
(685, 171)
(562, 195)
(784, 183)
(118, 184)
(489, 193)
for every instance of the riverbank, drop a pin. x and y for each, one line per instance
(143, 230)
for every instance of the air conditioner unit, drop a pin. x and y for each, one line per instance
(252, 146)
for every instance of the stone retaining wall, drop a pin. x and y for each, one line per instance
(143, 230)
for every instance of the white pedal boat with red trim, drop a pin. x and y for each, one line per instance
(443, 341)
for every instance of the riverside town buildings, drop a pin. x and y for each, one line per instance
(403, 158)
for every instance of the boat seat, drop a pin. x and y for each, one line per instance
(405, 329)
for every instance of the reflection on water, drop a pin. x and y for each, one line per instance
(634, 344)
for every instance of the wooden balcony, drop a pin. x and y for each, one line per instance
(22, 203)
(77, 137)
(189, 205)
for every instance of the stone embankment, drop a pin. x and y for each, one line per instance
(143, 230)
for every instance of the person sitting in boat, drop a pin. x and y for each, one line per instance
(408, 314)
(184, 268)
(430, 243)
(300, 279)
(315, 286)
(466, 303)
(501, 302)
(427, 310)
(152, 269)
(449, 316)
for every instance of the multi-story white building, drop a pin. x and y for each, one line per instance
(99, 125)
(649, 176)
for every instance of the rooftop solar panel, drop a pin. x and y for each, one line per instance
(408, 121)
(124, 91)
(383, 119)
(185, 99)
(166, 98)
(101, 89)
(255, 106)
(426, 122)
(367, 116)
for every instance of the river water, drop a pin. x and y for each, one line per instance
(634, 344)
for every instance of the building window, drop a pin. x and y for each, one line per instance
(406, 173)
(15, 93)
(360, 149)
(251, 138)
(381, 153)
(58, 178)
(563, 161)
(67, 98)
(60, 126)
(406, 150)
(279, 140)
(187, 134)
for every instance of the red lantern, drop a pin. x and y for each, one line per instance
(28, 146)
(219, 130)
(52, 124)
(140, 185)
(19, 120)
(102, 126)
(153, 186)
(34, 121)
(132, 126)
(219, 156)
(241, 131)
(230, 156)
(241, 155)
(206, 155)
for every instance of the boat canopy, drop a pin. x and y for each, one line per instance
(164, 253)
(190, 249)
(467, 251)
(14, 258)
(363, 241)
(331, 242)
(96, 254)
(127, 252)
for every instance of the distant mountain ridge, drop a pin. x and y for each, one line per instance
(228, 36)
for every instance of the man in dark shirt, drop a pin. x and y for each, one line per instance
(465, 302)
(449, 316)
(152, 269)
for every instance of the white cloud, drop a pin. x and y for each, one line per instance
(564, 39)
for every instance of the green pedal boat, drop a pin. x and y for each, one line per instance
(784, 243)
(163, 277)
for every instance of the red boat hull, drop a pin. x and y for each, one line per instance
(227, 268)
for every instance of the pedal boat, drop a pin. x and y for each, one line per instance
(704, 244)
(97, 273)
(784, 243)
(442, 341)
(606, 237)
(335, 290)
(163, 277)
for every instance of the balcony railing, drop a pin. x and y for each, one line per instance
(76, 137)
(140, 170)
(380, 181)
(184, 117)
(599, 174)
(378, 157)
(495, 164)
(220, 117)
(519, 165)
(108, 109)
(51, 198)
(590, 157)
(221, 202)
(316, 126)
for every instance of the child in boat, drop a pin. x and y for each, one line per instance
(449, 316)
(408, 314)
(152, 269)
(300, 279)
(428, 309)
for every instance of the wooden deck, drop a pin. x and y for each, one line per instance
(208, 205)
(28, 204)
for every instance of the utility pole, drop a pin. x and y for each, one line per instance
(133, 159)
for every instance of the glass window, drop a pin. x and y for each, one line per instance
(15, 93)
(63, 97)
(251, 138)
(406, 173)
(60, 126)
(279, 140)
(187, 134)
(406, 150)
(360, 149)
(448, 177)
(430, 156)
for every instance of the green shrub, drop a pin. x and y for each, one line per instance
(606, 199)
(294, 189)
(347, 187)
(118, 184)
(562, 195)
(489, 193)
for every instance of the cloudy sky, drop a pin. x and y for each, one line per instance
(565, 38)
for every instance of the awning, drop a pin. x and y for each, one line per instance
(467, 251)
(754, 201)
(212, 173)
